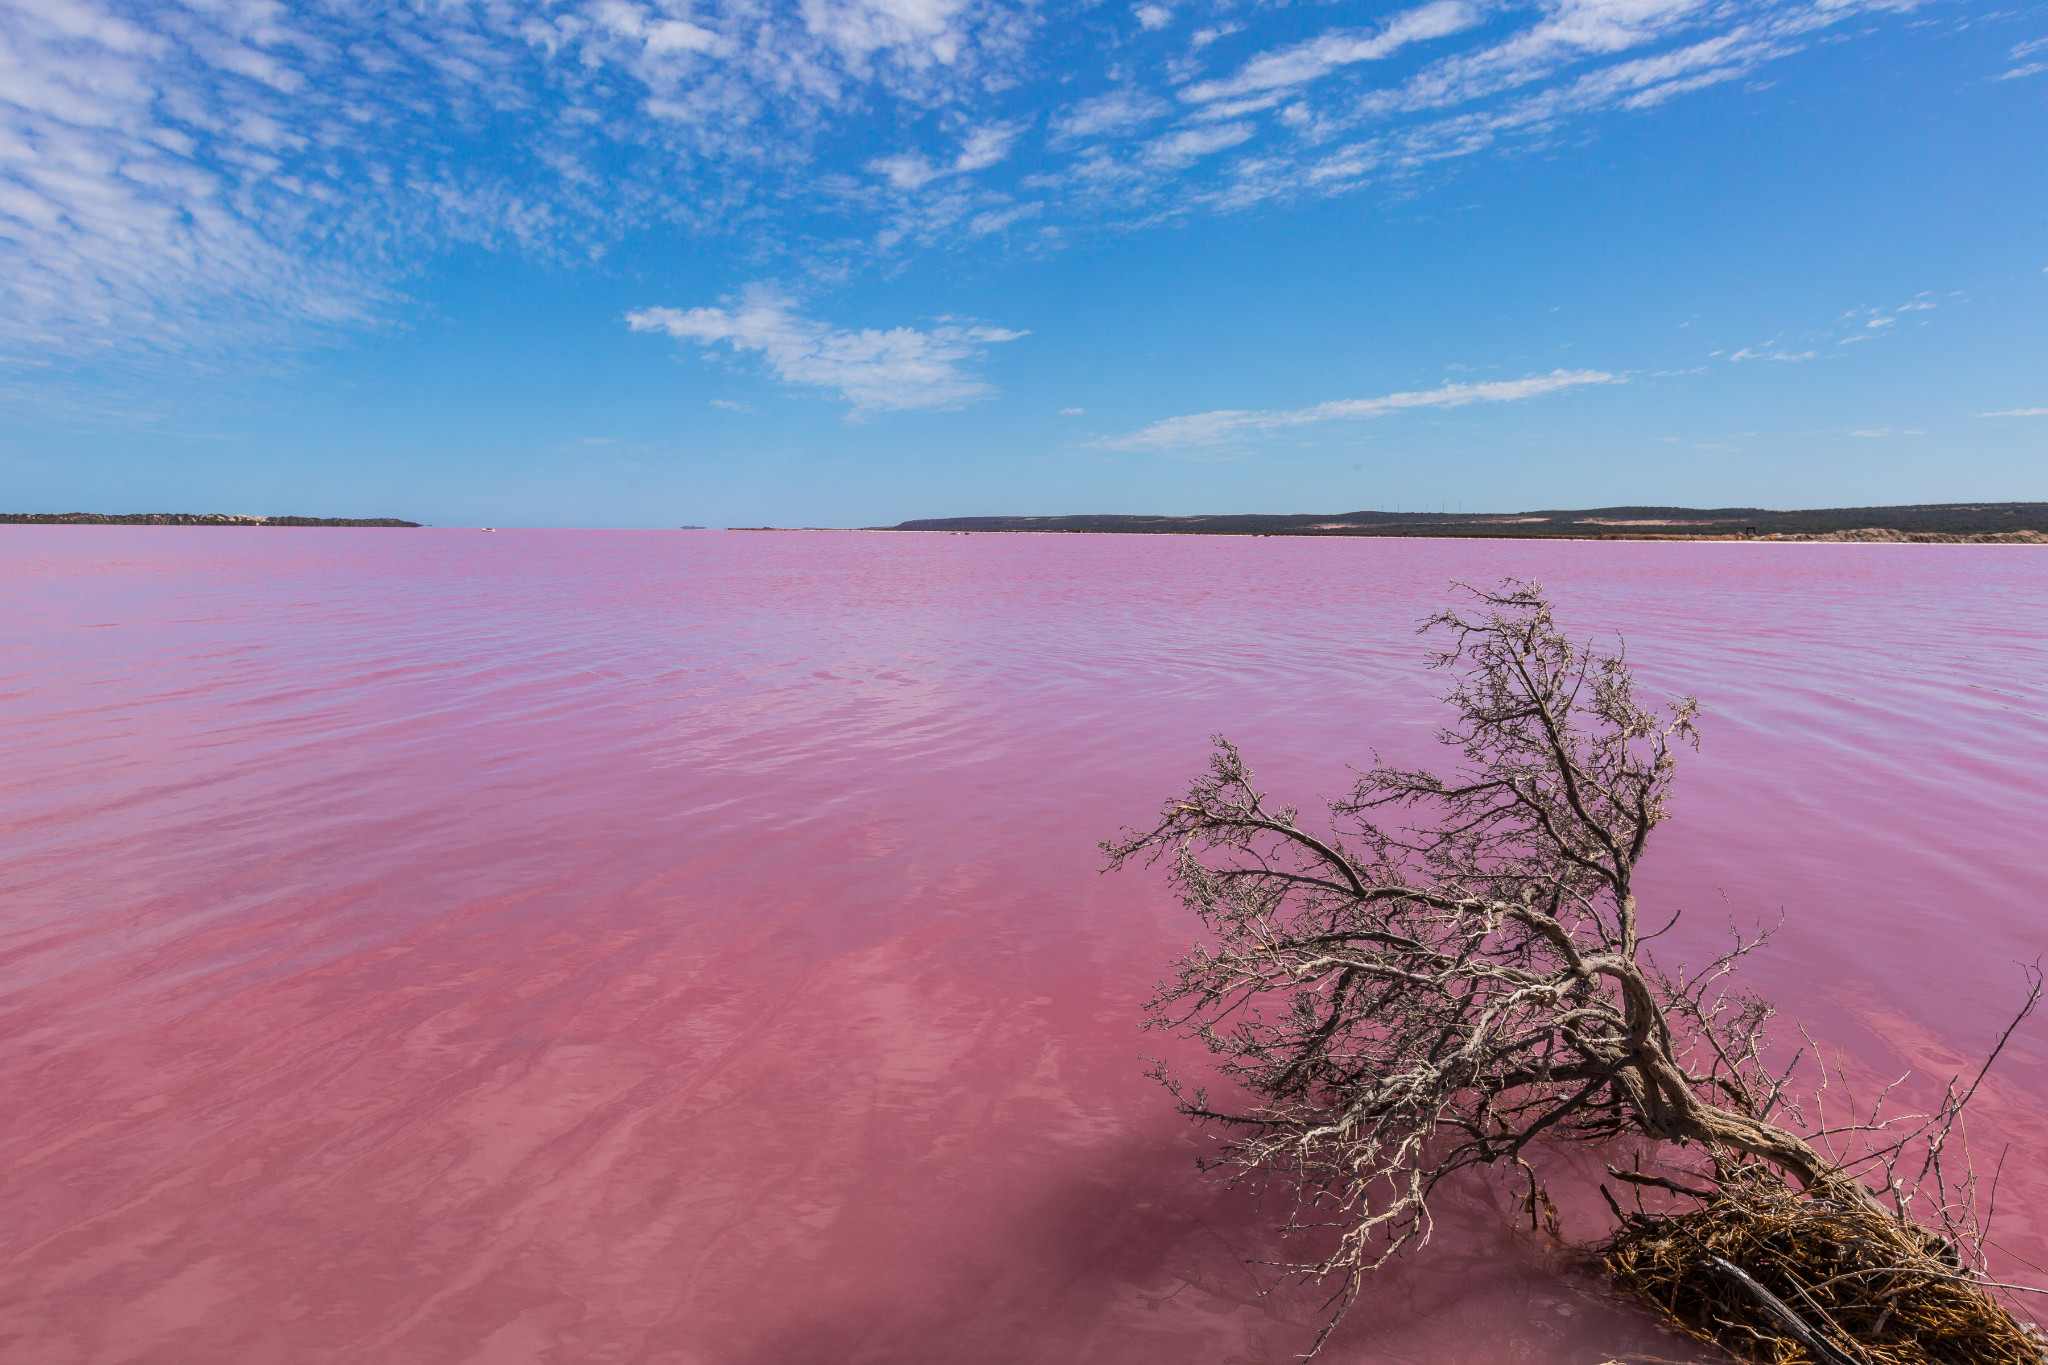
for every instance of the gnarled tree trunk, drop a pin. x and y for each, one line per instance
(1452, 967)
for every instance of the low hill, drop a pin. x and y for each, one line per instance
(183, 519)
(2020, 521)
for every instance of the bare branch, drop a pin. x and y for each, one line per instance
(1399, 1003)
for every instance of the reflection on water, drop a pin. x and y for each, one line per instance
(593, 947)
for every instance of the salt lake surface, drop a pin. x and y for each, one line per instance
(426, 946)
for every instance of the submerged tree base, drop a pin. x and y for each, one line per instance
(1783, 1278)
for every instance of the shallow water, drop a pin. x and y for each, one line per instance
(422, 946)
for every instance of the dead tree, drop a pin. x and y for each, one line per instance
(1453, 967)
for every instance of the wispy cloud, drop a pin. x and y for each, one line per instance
(897, 370)
(1766, 353)
(2021, 66)
(177, 174)
(1191, 144)
(1275, 72)
(1110, 115)
(980, 149)
(2017, 412)
(1568, 32)
(248, 169)
(1215, 428)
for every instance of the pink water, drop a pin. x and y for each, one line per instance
(660, 947)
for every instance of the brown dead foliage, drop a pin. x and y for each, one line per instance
(1873, 1288)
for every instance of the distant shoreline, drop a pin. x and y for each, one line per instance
(183, 519)
(2004, 523)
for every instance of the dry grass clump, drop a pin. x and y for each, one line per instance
(1784, 1278)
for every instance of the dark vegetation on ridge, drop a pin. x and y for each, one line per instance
(183, 519)
(1929, 519)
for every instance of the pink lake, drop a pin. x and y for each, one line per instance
(457, 949)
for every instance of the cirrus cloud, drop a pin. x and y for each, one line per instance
(1281, 70)
(184, 172)
(1215, 428)
(258, 170)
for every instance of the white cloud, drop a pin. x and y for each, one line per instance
(983, 148)
(1213, 428)
(188, 174)
(1120, 111)
(2019, 53)
(180, 174)
(980, 149)
(1879, 322)
(922, 32)
(995, 220)
(906, 170)
(901, 369)
(1307, 141)
(2017, 412)
(1072, 412)
(1790, 357)
(1312, 60)
(661, 37)
(1569, 31)
(1190, 144)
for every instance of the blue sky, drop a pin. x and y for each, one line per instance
(843, 262)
